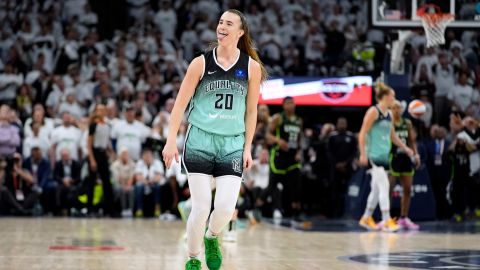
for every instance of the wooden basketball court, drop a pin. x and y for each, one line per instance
(94, 244)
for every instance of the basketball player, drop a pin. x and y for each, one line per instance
(375, 138)
(401, 165)
(222, 87)
(284, 133)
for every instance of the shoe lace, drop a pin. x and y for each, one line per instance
(195, 265)
(212, 249)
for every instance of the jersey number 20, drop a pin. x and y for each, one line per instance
(220, 103)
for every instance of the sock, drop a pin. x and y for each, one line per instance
(368, 212)
(385, 215)
(209, 234)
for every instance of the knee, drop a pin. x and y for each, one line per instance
(200, 211)
(225, 210)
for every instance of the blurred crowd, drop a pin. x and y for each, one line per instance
(62, 66)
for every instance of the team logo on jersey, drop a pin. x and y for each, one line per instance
(335, 91)
(237, 165)
(445, 259)
(240, 73)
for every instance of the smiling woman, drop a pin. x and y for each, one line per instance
(222, 87)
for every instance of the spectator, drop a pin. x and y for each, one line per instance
(163, 118)
(342, 149)
(123, 169)
(66, 136)
(71, 105)
(149, 174)
(40, 169)
(66, 173)
(22, 183)
(258, 178)
(56, 96)
(35, 141)
(444, 82)
(438, 164)
(9, 134)
(9, 140)
(8, 204)
(10, 80)
(462, 95)
(46, 124)
(130, 134)
(166, 20)
(24, 101)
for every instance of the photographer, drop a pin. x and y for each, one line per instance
(22, 184)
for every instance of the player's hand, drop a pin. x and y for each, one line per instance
(247, 160)
(170, 151)
(409, 152)
(283, 144)
(418, 162)
(363, 161)
(93, 165)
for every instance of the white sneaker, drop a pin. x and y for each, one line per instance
(277, 214)
(230, 236)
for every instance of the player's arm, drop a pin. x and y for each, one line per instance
(271, 129)
(187, 88)
(367, 124)
(252, 101)
(413, 143)
(298, 156)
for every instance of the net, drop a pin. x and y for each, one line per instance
(434, 22)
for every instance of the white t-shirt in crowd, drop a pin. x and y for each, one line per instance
(74, 109)
(45, 130)
(259, 174)
(149, 172)
(444, 80)
(130, 136)
(66, 137)
(166, 21)
(312, 53)
(30, 142)
(463, 96)
(176, 170)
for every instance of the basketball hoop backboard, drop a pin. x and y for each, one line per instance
(402, 14)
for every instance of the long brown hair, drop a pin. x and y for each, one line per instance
(245, 44)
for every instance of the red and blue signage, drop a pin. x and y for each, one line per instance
(345, 91)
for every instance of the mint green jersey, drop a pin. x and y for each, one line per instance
(219, 103)
(378, 139)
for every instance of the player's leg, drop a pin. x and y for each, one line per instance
(367, 220)
(231, 233)
(226, 195)
(404, 221)
(201, 199)
(197, 160)
(381, 179)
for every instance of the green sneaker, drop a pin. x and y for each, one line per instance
(193, 264)
(213, 255)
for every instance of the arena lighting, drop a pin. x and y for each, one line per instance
(344, 91)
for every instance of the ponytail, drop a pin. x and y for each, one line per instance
(381, 90)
